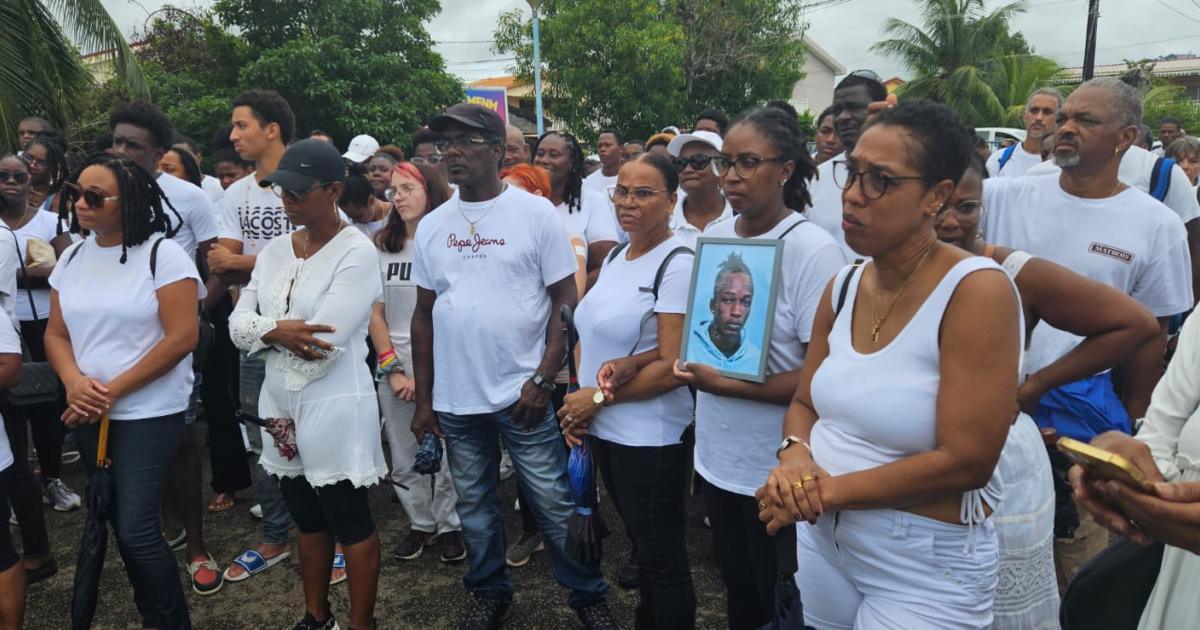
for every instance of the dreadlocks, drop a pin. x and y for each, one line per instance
(56, 158)
(573, 191)
(142, 202)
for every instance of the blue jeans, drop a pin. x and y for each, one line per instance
(141, 452)
(541, 463)
(275, 520)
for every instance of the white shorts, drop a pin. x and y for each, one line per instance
(873, 569)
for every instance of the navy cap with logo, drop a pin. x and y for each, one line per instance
(305, 164)
(471, 115)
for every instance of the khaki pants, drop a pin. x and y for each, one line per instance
(1071, 553)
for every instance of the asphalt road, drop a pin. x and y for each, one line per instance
(424, 593)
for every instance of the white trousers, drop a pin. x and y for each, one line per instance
(429, 500)
(874, 569)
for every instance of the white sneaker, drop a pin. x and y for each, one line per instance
(256, 510)
(506, 466)
(12, 519)
(60, 496)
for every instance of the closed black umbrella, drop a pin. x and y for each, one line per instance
(585, 529)
(789, 611)
(95, 537)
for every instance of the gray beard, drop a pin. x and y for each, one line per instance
(1066, 161)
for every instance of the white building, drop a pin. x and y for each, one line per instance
(815, 91)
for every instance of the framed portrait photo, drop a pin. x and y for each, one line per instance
(731, 305)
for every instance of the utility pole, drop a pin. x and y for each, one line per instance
(537, 66)
(1089, 46)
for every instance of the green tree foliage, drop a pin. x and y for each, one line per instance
(345, 66)
(952, 54)
(1012, 78)
(41, 73)
(1161, 99)
(644, 65)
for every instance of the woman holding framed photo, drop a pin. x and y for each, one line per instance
(765, 169)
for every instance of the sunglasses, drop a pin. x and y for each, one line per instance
(93, 198)
(698, 162)
(866, 74)
(294, 195)
(21, 177)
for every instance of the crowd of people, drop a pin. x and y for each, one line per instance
(944, 314)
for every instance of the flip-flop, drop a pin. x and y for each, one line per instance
(253, 563)
(222, 502)
(339, 562)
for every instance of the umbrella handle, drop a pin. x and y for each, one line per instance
(102, 444)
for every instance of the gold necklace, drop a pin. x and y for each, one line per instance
(874, 299)
(503, 187)
(341, 224)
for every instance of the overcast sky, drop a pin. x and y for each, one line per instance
(1132, 29)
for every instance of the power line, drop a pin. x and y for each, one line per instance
(1178, 11)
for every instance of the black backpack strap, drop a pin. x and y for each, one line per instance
(614, 252)
(845, 288)
(795, 225)
(74, 252)
(662, 269)
(154, 255)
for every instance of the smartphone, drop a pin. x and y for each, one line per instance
(1104, 464)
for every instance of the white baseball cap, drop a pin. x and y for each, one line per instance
(361, 148)
(707, 137)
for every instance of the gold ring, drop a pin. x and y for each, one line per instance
(807, 478)
(798, 485)
(762, 506)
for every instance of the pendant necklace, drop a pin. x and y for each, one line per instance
(471, 223)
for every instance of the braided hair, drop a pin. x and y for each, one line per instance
(56, 157)
(573, 192)
(142, 202)
(782, 130)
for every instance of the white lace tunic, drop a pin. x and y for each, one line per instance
(332, 400)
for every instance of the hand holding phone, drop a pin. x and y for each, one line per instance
(1105, 464)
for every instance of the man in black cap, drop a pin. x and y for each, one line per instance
(493, 272)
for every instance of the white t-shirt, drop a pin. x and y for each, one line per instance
(111, 313)
(594, 220)
(736, 438)
(1136, 169)
(252, 215)
(369, 228)
(687, 232)
(826, 210)
(10, 343)
(492, 308)
(212, 187)
(1016, 166)
(194, 207)
(43, 226)
(10, 264)
(399, 300)
(598, 182)
(1129, 241)
(608, 321)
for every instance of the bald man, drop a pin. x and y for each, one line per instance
(516, 151)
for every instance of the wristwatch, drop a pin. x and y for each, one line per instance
(788, 441)
(598, 399)
(545, 385)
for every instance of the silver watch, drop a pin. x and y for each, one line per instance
(788, 441)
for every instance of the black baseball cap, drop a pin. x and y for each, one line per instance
(471, 115)
(305, 164)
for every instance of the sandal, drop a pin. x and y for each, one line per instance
(339, 562)
(254, 563)
(221, 502)
(206, 576)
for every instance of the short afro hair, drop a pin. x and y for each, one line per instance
(148, 116)
(269, 107)
(876, 89)
(942, 144)
(714, 115)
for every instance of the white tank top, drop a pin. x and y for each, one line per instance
(881, 407)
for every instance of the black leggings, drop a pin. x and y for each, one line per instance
(43, 418)
(341, 509)
(23, 492)
(8, 554)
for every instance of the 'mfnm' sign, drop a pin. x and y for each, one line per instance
(495, 99)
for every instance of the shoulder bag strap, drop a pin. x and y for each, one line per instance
(845, 288)
(1006, 155)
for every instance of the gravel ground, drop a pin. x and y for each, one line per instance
(424, 593)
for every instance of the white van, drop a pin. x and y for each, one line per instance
(994, 136)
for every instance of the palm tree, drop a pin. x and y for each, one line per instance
(1013, 78)
(950, 55)
(41, 71)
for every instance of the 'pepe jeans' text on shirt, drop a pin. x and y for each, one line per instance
(474, 244)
